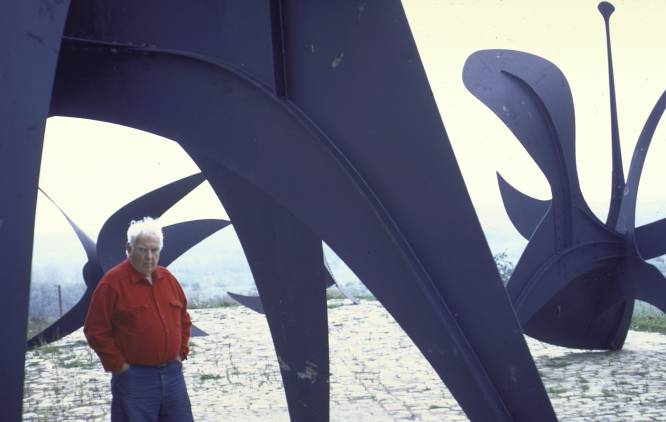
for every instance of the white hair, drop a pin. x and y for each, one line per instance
(147, 226)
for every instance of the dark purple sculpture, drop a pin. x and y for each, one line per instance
(576, 281)
(109, 249)
(312, 121)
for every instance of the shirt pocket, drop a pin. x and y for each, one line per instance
(135, 320)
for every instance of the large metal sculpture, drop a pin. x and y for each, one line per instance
(109, 250)
(576, 281)
(312, 121)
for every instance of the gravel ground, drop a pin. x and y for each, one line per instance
(377, 374)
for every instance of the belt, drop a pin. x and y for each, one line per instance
(158, 366)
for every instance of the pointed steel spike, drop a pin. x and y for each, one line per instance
(346, 294)
(181, 237)
(651, 286)
(87, 243)
(617, 178)
(627, 214)
(524, 211)
(650, 239)
(649, 283)
(197, 332)
(251, 302)
(111, 238)
(331, 281)
(254, 302)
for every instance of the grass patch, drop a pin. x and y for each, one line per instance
(50, 349)
(37, 324)
(78, 364)
(556, 362)
(583, 383)
(205, 377)
(556, 390)
(653, 323)
(213, 302)
(226, 301)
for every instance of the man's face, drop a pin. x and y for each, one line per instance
(144, 254)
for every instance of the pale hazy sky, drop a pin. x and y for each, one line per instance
(92, 168)
(569, 33)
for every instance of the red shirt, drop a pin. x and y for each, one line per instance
(131, 320)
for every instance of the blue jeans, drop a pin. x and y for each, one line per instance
(150, 393)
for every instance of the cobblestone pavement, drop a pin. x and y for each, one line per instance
(377, 374)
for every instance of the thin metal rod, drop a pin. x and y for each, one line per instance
(617, 178)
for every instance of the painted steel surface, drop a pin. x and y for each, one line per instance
(285, 258)
(323, 112)
(576, 281)
(31, 33)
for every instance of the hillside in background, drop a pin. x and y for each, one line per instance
(209, 270)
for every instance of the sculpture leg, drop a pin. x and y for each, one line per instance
(30, 32)
(286, 261)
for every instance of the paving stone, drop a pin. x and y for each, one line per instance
(376, 374)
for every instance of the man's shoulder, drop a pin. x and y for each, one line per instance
(115, 274)
(163, 271)
(164, 274)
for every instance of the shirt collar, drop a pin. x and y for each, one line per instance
(135, 276)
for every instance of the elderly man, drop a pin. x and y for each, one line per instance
(139, 327)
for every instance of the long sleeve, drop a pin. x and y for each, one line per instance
(186, 325)
(98, 328)
(185, 335)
